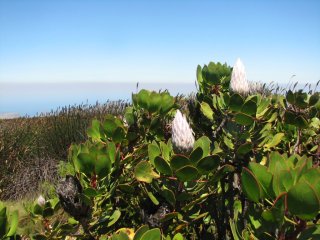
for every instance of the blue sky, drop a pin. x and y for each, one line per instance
(157, 41)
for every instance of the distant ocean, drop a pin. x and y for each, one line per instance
(20, 99)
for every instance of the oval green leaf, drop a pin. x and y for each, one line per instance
(206, 110)
(236, 102)
(162, 166)
(208, 163)
(138, 234)
(153, 234)
(144, 173)
(250, 185)
(114, 217)
(187, 173)
(303, 201)
(179, 161)
(249, 108)
(243, 119)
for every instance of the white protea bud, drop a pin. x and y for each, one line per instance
(41, 201)
(239, 83)
(182, 134)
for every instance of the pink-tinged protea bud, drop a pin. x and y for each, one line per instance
(239, 83)
(41, 201)
(182, 134)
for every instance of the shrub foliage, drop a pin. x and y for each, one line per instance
(253, 171)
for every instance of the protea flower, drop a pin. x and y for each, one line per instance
(182, 134)
(41, 201)
(239, 83)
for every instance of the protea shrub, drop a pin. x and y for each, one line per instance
(182, 134)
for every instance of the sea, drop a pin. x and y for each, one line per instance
(33, 99)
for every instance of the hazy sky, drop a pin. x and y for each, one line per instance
(152, 41)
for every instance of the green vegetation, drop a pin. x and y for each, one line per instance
(32, 147)
(243, 164)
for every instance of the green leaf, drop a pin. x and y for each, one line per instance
(153, 234)
(144, 173)
(94, 131)
(187, 173)
(286, 180)
(227, 141)
(301, 99)
(244, 148)
(129, 116)
(290, 97)
(143, 98)
(314, 99)
(276, 139)
(236, 102)
(178, 236)
(263, 176)
(276, 212)
(263, 107)
(72, 221)
(102, 165)
(169, 196)
(243, 119)
(208, 163)
(206, 110)
(37, 209)
(312, 176)
(179, 161)
(14, 220)
(277, 161)
(90, 192)
(118, 135)
(303, 201)
(300, 122)
(109, 125)
(167, 102)
(138, 234)
(114, 217)
(289, 117)
(153, 151)
(199, 75)
(85, 163)
(162, 166)
(312, 232)
(3, 221)
(249, 108)
(282, 180)
(120, 236)
(154, 102)
(153, 198)
(112, 151)
(165, 150)
(196, 155)
(250, 185)
(204, 143)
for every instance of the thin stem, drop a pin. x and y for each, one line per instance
(296, 146)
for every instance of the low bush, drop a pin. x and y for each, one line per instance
(240, 163)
